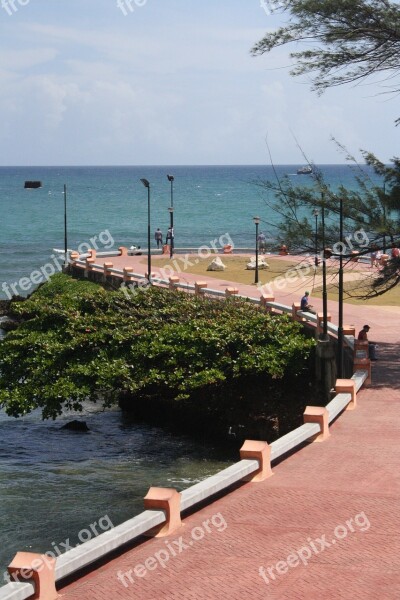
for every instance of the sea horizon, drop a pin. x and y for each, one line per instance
(209, 201)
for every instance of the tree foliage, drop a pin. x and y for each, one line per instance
(78, 342)
(371, 212)
(346, 40)
(372, 205)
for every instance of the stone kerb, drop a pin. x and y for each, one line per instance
(28, 565)
(168, 500)
(107, 266)
(363, 364)
(360, 349)
(296, 306)
(264, 300)
(347, 386)
(89, 265)
(128, 275)
(231, 292)
(320, 415)
(199, 287)
(349, 330)
(261, 452)
(173, 282)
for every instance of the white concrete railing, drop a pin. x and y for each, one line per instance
(86, 554)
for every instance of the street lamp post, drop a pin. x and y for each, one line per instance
(65, 227)
(340, 323)
(316, 213)
(171, 215)
(146, 184)
(257, 222)
(324, 291)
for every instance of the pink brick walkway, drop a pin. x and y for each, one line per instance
(325, 526)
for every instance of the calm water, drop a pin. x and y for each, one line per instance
(208, 202)
(55, 483)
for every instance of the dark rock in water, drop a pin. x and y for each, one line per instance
(4, 307)
(8, 324)
(76, 426)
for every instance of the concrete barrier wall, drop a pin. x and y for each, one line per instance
(164, 506)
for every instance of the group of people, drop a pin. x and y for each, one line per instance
(305, 306)
(376, 254)
(158, 236)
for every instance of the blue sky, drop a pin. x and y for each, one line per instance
(88, 82)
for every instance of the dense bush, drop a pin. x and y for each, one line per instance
(77, 341)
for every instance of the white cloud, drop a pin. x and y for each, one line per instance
(156, 88)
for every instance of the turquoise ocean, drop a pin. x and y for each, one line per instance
(208, 202)
(53, 483)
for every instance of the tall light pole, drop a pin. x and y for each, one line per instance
(257, 222)
(65, 227)
(316, 213)
(147, 185)
(171, 215)
(324, 291)
(340, 324)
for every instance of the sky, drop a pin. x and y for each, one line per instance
(168, 82)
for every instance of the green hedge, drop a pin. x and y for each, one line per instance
(79, 342)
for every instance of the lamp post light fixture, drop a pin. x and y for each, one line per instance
(316, 213)
(146, 184)
(171, 215)
(257, 222)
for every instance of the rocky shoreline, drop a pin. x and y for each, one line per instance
(7, 321)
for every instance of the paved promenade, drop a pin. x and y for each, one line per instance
(325, 526)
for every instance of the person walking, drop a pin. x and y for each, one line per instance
(158, 237)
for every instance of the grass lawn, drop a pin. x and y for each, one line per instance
(235, 267)
(390, 298)
(236, 272)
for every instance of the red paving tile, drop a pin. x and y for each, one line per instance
(334, 503)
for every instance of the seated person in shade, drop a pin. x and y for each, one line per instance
(363, 335)
(304, 304)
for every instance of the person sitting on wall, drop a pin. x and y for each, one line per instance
(363, 336)
(305, 306)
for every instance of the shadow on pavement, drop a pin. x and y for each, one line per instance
(386, 370)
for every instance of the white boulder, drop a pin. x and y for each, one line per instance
(262, 264)
(216, 265)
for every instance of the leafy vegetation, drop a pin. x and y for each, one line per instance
(79, 342)
(340, 42)
(345, 40)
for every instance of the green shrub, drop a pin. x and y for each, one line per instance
(78, 342)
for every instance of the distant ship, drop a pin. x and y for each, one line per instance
(305, 171)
